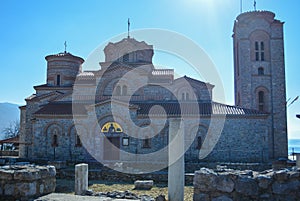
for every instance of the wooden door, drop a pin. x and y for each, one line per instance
(111, 148)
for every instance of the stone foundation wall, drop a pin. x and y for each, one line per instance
(231, 185)
(26, 182)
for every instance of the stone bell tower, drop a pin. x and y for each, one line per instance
(62, 69)
(259, 73)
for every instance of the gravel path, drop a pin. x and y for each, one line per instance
(69, 197)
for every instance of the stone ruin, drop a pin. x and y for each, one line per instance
(24, 182)
(228, 185)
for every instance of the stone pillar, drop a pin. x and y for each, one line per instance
(81, 178)
(298, 160)
(176, 160)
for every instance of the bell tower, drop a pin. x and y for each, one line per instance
(62, 69)
(259, 72)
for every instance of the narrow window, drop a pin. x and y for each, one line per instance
(124, 90)
(199, 142)
(262, 46)
(54, 141)
(262, 56)
(259, 51)
(118, 90)
(261, 71)
(261, 100)
(256, 46)
(146, 143)
(78, 141)
(182, 96)
(256, 56)
(187, 96)
(58, 80)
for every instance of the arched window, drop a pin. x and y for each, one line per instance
(260, 71)
(259, 51)
(147, 143)
(54, 141)
(78, 141)
(262, 51)
(124, 90)
(261, 100)
(58, 80)
(187, 96)
(199, 142)
(118, 90)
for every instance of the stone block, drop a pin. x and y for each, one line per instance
(200, 197)
(294, 175)
(41, 189)
(205, 180)
(52, 170)
(27, 175)
(246, 186)
(6, 174)
(285, 188)
(281, 175)
(49, 185)
(160, 198)
(25, 189)
(224, 184)
(9, 189)
(143, 184)
(264, 181)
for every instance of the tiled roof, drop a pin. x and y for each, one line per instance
(64, 54)
(189, 108)
(192, 80)
(35, 97)
(48, 86)
(61, 108)
(171, 108)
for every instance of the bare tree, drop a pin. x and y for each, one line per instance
(12, 130)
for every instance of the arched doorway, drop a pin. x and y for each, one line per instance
(111, 142)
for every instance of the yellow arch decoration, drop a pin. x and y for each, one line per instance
(111, 127)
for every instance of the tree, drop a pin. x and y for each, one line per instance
(12, 130)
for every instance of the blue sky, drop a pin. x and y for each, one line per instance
(30, 30)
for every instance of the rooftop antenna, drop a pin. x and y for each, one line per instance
(65, 44)
(128, 27)
(254, 4)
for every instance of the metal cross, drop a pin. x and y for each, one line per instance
(65, 44)
(128, 23)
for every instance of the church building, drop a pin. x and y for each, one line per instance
(123, 110)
